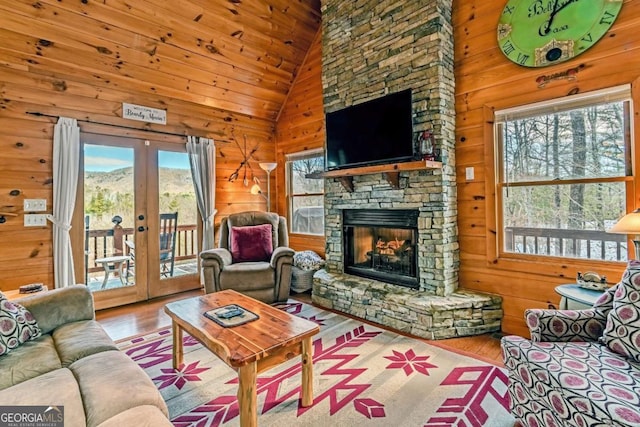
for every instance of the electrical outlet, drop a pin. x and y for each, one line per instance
(35, 220)
(469, 173)
(35, 205)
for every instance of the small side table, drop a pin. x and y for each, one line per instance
(573, 297)
(15, 294)
(115, 264)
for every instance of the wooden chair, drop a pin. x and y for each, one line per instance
(168, 235)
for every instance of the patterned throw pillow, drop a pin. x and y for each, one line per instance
(622, 333)
(251, 243)
(17, 325)
(308, 260)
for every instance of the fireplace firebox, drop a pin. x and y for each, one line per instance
(381, 244)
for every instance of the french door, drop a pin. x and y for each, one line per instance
(137, 209)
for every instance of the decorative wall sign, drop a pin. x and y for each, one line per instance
(570, 74)
(144, 114)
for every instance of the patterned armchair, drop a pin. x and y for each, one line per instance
(564, 376)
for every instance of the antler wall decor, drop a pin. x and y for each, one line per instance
(244, 163)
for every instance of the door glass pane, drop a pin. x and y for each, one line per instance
(178, 238)
(109, 220)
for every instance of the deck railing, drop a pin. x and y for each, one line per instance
(588, 244)
(101, 243)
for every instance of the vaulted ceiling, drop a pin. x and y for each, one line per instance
(237, 56)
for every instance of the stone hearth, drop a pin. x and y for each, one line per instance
(462, 313)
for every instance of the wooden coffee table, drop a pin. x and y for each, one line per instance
(250, 348)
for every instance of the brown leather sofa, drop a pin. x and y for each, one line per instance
(267, 281)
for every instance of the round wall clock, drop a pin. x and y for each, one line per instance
(537, 33)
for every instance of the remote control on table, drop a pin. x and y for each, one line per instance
(230, 313)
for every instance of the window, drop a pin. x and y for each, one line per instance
(564, 174)
(305, 195)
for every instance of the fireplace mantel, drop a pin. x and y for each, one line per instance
(391, 172)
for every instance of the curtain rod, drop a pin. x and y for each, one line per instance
(38, 114)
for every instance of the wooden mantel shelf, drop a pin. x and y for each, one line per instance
(391, 172)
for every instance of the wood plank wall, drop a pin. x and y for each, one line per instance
(486, 80)
(56, 58)
(300, 127)
(64, 78)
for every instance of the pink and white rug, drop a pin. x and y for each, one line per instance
(363, 376)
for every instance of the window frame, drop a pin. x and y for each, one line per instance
(496, 181)
(290, 196)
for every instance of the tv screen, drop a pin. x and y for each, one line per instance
(374, 132)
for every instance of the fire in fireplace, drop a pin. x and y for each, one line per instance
(381, 244)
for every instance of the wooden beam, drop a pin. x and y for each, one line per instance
(368, 170)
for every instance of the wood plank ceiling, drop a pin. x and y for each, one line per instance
(236, 56)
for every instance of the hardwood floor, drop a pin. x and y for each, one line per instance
(144, 317)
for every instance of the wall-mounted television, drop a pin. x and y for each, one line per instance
(373, 132)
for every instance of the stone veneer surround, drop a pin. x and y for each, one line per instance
(373, 48)
(369, 49)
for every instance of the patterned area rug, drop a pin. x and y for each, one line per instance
(363, 376)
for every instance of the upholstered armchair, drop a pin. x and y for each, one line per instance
(576, 369)
(252, 257)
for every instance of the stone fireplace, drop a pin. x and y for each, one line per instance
(370, 49)
(381, 244)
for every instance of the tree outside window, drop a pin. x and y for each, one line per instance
(564, 176)
(305, 194)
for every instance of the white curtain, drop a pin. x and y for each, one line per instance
(66, 159)
(202, 157)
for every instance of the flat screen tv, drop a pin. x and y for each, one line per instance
(374, 132)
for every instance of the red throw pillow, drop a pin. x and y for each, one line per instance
(251, 243)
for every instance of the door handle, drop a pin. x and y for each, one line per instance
(141, 228)
(141, 217)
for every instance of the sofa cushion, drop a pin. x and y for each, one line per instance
(252, 243)
(622, 333)
(57, 307)
(604, 303)
(17, 325)
(571, 383)
(110, 383)
(140, 416)
(80, 339)
(55, 388)
(31, 359)
(247, 276)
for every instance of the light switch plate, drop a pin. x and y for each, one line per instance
(469, 173)
(35, 220)
(35, 205)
